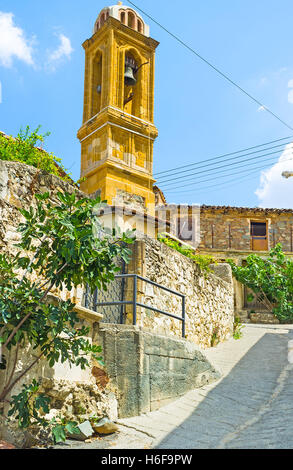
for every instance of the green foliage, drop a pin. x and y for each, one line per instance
(29, 408)
(27, 405)
(69, 236)
(215, 338)
(271, 281)
(24, 149)
(68, 247)
(237, 327)
(203, 261)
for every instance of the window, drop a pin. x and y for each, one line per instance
(139, 26)
(131, 20)
(122, 17)
(102, 20)
(258, 229)
(259, 239)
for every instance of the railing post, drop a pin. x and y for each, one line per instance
(86, 300)
(95, 300)
(183, 316)
(134, 298)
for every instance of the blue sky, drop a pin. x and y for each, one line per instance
(199, 115)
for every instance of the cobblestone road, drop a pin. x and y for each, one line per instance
(251, 406)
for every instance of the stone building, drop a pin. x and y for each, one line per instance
(236, 232)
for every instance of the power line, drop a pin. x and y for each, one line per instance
(225, 155)
(215, 187)
(222, 166)
(228, 174)
(162, 182)
(213, 67)
(224, 183)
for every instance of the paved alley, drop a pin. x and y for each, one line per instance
(251, 406)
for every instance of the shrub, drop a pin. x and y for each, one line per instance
(24, 149)
(271, 281)
(203, 261)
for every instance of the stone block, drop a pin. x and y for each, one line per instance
(159, 368)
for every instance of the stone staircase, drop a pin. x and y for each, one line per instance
(263, 317)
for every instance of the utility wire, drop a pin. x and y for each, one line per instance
(213, 67)
(222, 156)
(222, 184)
(216, 187)
(221, 166)
(213, 178)
(162, 182)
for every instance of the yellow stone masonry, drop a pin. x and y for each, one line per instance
(118, 131)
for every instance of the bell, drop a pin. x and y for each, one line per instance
(129, 79)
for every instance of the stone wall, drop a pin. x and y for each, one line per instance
(150, 370)
(209, 298)
(74, 393)
(229, 228)
(218, 231)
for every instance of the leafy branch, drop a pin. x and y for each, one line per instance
(271, 281)
(63, 251)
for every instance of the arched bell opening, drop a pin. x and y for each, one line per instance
(97, 83)
(122, 17)
(102, 19)
(131, 20)
(132, 83)
(139, 26)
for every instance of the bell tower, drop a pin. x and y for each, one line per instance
(118, 132)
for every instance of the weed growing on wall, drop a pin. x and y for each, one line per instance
(237, 328)
(203, 261)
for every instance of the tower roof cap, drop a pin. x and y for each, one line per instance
(125, 15)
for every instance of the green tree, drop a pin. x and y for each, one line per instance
(62, 245)
(271, 281)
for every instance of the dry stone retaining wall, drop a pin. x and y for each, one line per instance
(209, 298)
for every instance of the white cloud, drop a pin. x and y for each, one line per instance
(274, 190)
(63, 51)
(261, 108)
(263, 81)
(290, 94)
(13, 43)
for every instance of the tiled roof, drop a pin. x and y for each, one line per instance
(261, 210)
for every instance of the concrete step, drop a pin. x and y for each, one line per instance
(264, 317)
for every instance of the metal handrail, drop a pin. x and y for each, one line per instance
(136, 304)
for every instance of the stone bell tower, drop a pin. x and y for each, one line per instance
(118, 132)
